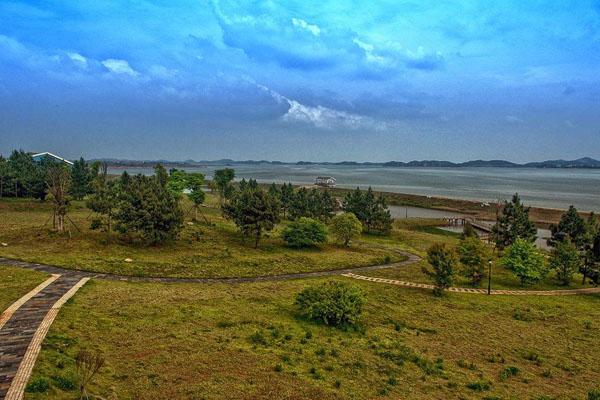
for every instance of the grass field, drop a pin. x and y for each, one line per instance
(16, 282)
(203, 250)
(184, 341)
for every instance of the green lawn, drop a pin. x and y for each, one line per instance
(246, 341)
(16, 282)
(203, 250)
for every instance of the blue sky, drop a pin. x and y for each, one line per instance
(301, 80)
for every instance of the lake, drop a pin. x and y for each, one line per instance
(554, 188)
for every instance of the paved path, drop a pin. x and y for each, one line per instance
(26, 323)
(562, 292)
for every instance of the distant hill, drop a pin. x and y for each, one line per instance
(585, 162)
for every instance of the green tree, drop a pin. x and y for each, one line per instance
(571, 227)
(525, 261)
(304, 232)
(177, 182)
(222, 179)
(300, 206)
(195, 183)
(253, 211)
(4, 174)
(372, 212)
(80, 179)
(442, 261)
(286, 198)
(332, 303)
(513, 223)
(345, 227)
(473, 255)
(468, 231)
(23, 173)
(565, 261)
(104, 199)
(148, 208)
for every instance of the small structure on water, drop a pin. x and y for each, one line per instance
(39, 157)
(327, 181)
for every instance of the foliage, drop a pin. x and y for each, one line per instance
(571, 227)
(304, 232)
(316, 204)
(346, 227)
(442, 260)
(4, 174)
(148, 208)
(468, 231)
(594, 394)
(38, 385)
(332, 303)
(253, 211)
(194, 183)
(222, 180)
(104, 199)
(525, 261)
(513, 223)
(565, 261)
(81, 179)
(372, 212)
(473, 255)
(286, 198)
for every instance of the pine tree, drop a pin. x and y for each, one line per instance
(287, 197)
(571, 227)
(372, 212)
(4, 174)
(565, 261)
(442, 260)
(104, 199)
(513, 224)
(80, 179)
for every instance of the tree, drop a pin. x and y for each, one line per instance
(80, 179)
(58, 180)
(253, 211)
(346, 227)
(194, 183)
(305, 232)
(443, 262)
(286, 198)
(332, 303)
(22, 173)
(148, 208)
(4, 174)
(105, 198)
(513, 224)
(473, 255)
(177, 182)
(468, 231)
(525, 261)
(222, 179)
(571, 227)
(565, 261)
(371, 212)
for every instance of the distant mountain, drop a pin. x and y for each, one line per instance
(585, 162)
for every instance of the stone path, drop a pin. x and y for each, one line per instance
(22, 334)
(562, 292)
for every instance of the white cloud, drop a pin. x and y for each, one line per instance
(312, 28)
(513, 119)
(119, 67)
(78, 59)
(369, 50)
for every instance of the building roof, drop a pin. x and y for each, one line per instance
(48, 154)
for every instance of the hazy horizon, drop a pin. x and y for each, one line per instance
(312, 81)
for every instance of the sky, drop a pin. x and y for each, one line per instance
(301, 80)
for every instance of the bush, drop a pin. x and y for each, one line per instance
(443, 261)
(333, 303)
(64, 382)
(594, 394)
(305, 232)
(38, 385)
(346, 227)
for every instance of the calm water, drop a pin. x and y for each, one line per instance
(556, 188)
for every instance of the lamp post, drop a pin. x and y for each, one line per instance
(489, 277)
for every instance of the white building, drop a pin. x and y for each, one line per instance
(328, 181)
(38, 157)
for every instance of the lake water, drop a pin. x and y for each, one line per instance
(555, 188)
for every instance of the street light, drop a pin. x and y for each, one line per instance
(489, 277)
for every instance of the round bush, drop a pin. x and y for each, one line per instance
(332, 303)
(305, 232)
(346, 227)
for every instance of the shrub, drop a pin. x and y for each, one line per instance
(473, 255)
(346, 227)
(508, 372)
(64, 383)
(594, 394)
(305, 232)
(565, 261)
(479, 386)
(258, 338)
(38, 385)
(333, 303)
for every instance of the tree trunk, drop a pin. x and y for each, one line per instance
(256, 239)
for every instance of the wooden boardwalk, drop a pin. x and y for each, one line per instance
(26, 323)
